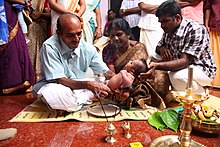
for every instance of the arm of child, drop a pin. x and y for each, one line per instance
(127, 78)
(115, 82)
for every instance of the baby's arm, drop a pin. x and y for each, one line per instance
(115, 82)
(127, 78)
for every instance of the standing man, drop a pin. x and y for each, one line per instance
(131, 13)
(65, 58)
(184, 42)
(151, 32)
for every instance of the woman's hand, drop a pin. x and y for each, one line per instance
(98, 33)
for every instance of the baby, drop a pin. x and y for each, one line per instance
(121, 83)
(126, 77)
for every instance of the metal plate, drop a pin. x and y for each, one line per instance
(171, 141)
(110, 110)
(211, 128)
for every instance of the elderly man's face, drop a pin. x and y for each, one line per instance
(118, 37)
(71, 32)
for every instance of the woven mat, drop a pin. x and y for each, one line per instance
(39, 112)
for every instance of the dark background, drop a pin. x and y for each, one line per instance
(115, 5)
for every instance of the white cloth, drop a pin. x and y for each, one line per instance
(54, 15)
(149, 21)
(150, 38)
(132, 19)
(179, 79)
(88, 17)
(61, 97)
(151, 31)
(22, 22)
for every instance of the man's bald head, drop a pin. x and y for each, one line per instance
(65, 18)
(69, 29)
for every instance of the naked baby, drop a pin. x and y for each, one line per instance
(121, 84)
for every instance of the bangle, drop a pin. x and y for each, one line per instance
(99, 28)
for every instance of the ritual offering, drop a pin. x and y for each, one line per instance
(184, 139)
(206, 116)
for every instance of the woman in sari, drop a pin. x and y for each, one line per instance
(16, 73)
(212, 23)
(92, 21)
(38, 33)
(120, 51)
(64, 6)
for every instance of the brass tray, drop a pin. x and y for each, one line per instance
(212, 128)
(111, 110)
(171, 141)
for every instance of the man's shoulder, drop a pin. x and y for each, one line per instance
(192, 23)
(85, 46)
(53, 41)
(51, 44)
(190, 26)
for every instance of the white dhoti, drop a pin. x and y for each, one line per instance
(179, 80)
(58, 96)
(150, 39)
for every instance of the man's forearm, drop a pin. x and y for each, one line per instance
(175, 65)
(134, 10)
(73, 84)
(186, 3)
(151, 9)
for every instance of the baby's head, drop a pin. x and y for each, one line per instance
(137, 66)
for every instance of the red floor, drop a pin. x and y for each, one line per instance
(77, 134)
